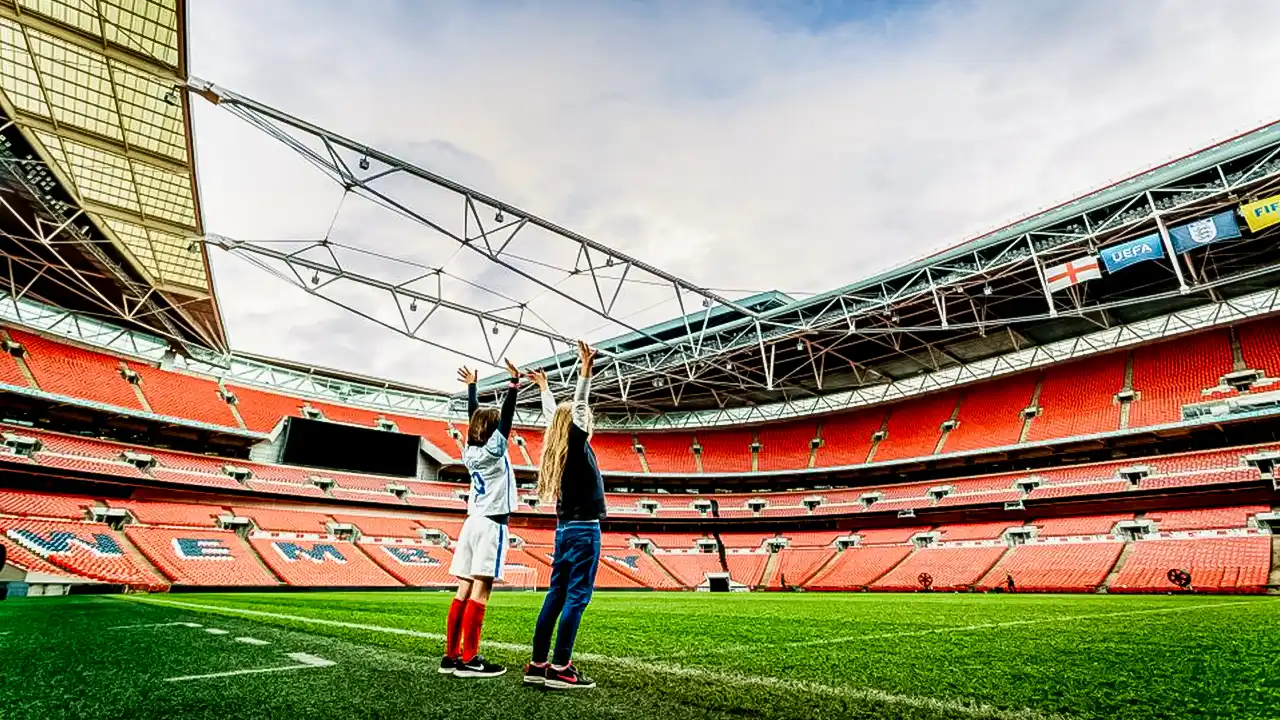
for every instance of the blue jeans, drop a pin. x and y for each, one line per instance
(573, 577)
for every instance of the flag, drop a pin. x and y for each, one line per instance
(1262, 214)
(1132, 252)
(1204, 231)
(1072, 273)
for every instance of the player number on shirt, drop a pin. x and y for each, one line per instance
(477, 482)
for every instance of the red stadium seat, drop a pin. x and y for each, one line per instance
(952, 568)
(1224, 564)
(65, 369)
(1171, 374)
(200, 557)
(1055, 567)
(1078, 398)
(991, 414)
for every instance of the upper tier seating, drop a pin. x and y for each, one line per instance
(991, 414)
(1174, 373)
(846, 438)
(664, 452)
(68, 370)
(726, 451)
(1260, 346)
(915, 427)
(1225, 564)
(787, 446)
(200, 557)
(1055, 567)
(952, 568)
(973, 531)
(10, 373)
(1078, 398)
(184, 396)
(262, 410)
(321, 562)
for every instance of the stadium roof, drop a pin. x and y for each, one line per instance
(95, 91)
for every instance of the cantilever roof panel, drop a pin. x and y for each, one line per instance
(98, 89)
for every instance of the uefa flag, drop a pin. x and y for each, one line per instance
(1262, 214)
(1072, 273)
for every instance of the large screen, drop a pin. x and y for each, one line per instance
(321, 444)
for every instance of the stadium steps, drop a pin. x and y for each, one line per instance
(996, 566)
(1115, 569)
(813, 446)
(139, 558)
(644, 461)
(881, 436)
(524, 450)
(252, 552)
(697, 456)
(771, 567)
(674, 578)
(21, 364)
(889, 569)
(1237, 356)
(942, 436)
(1126, 407)
(1035, 402)
(818, 571)
(235, 411)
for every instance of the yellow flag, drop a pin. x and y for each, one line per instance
(1263, 213)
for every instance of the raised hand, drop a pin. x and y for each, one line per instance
(511, 369)
(539, 377)
(587, 356)
(468, 376)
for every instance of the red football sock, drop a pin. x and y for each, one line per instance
(453, 629)
(472, 621)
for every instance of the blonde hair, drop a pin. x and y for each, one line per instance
(555, 450)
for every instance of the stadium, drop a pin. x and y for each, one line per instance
(1030, 476)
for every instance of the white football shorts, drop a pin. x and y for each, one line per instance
(481, 550)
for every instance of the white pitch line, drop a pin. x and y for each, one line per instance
(251, 641)
(304, 661)
(734, 649)
(216, 631)
(946, 707)
(155, 625)
(1007, 624)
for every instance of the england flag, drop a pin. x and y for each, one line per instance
(1072, 273)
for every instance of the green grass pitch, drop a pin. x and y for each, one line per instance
(668, 656)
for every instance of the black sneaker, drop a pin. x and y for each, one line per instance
(568, 679)
(478, 667)
(534, 675)
(448, 665)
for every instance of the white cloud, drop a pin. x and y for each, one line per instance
(735, 151)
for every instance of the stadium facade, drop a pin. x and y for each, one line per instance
(1084, 400)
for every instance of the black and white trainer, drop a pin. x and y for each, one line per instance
(448, 665)
(535, 675)
(570, 678)
(478, 667)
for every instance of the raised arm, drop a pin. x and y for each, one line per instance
(473, 398)
(509, 402)
(544, 394)
(581, 394)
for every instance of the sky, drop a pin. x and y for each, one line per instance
(741, 145)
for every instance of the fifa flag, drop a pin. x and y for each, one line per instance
(1262, 214)
(1132, 252)
(1072, 273)
(1202, 232)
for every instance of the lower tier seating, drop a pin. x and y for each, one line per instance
(951, 568)
(1055, 567)
(88, 550)
(1220, 564)
(200, 557)
(326, 561)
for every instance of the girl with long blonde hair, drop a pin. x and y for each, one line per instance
(569, 476)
